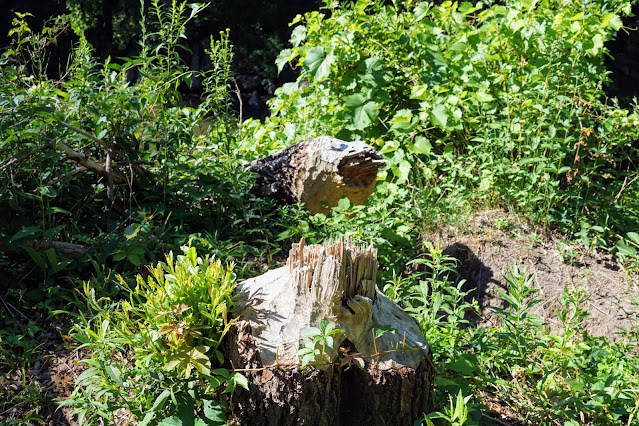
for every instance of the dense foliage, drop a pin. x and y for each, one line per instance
(472, 105)
(484, 103)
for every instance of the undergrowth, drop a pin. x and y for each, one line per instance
(546, 377)
(106, 171)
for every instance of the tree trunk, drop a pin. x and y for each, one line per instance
(318, 173)
(336, 282)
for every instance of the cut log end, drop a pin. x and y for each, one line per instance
(318, 173)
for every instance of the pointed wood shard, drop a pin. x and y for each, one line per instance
(334, 281)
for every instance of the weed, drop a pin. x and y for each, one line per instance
(157, 353)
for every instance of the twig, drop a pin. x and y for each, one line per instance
(75, 171)
(89, 163)
(85, 133)
(109, 175)
(625, 185)
(8, 305)
(20, 157)
(499, 422)
(71, 250)
(239, 99)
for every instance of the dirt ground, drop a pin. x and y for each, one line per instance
(492, 242)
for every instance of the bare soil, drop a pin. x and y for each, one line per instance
(492, 242)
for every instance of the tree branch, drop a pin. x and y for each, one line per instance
(90, 164)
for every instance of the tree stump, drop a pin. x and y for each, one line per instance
(336, 282)
(318, 173)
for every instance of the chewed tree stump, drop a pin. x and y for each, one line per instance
(393, 381)
(318, 173)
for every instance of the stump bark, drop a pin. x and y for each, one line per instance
(335, 281)
(318, 173)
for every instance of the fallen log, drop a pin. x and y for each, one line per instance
(318, 173)
(335, 282)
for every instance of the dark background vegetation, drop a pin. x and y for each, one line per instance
(259, 30)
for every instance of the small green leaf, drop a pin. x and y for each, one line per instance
(213, 411)
(312, 331)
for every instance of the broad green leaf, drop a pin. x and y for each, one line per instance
(25, 232)
(298, 35)
(134, 259)
(318, 62)
(577, 17)
(363, 113)
(173, 363)
(185, 411)
(307, 358)
(361, 6)
(131, 231)
(240, 379)
(484, 97)
(311, 331)
(114, 374)
(401, 123)
(421, 145)
(462, 365)
(420, 92)
(171, 421)
(439, 117)
(401, 171)
(52, 210)
(613, 20)
(161, 399)
(633, 237)
(626, 250)
(47, 191)
(199, 359)
(213, 411)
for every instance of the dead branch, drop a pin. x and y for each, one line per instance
(90, 164)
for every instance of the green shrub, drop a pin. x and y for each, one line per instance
(545, 377)
(489, 103)
(156, 355)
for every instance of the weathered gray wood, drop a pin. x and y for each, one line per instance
(335, 281)
(318, 173)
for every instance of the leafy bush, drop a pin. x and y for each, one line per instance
(546, 377)
(491, 103)
(156, 355)
(125, 169)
